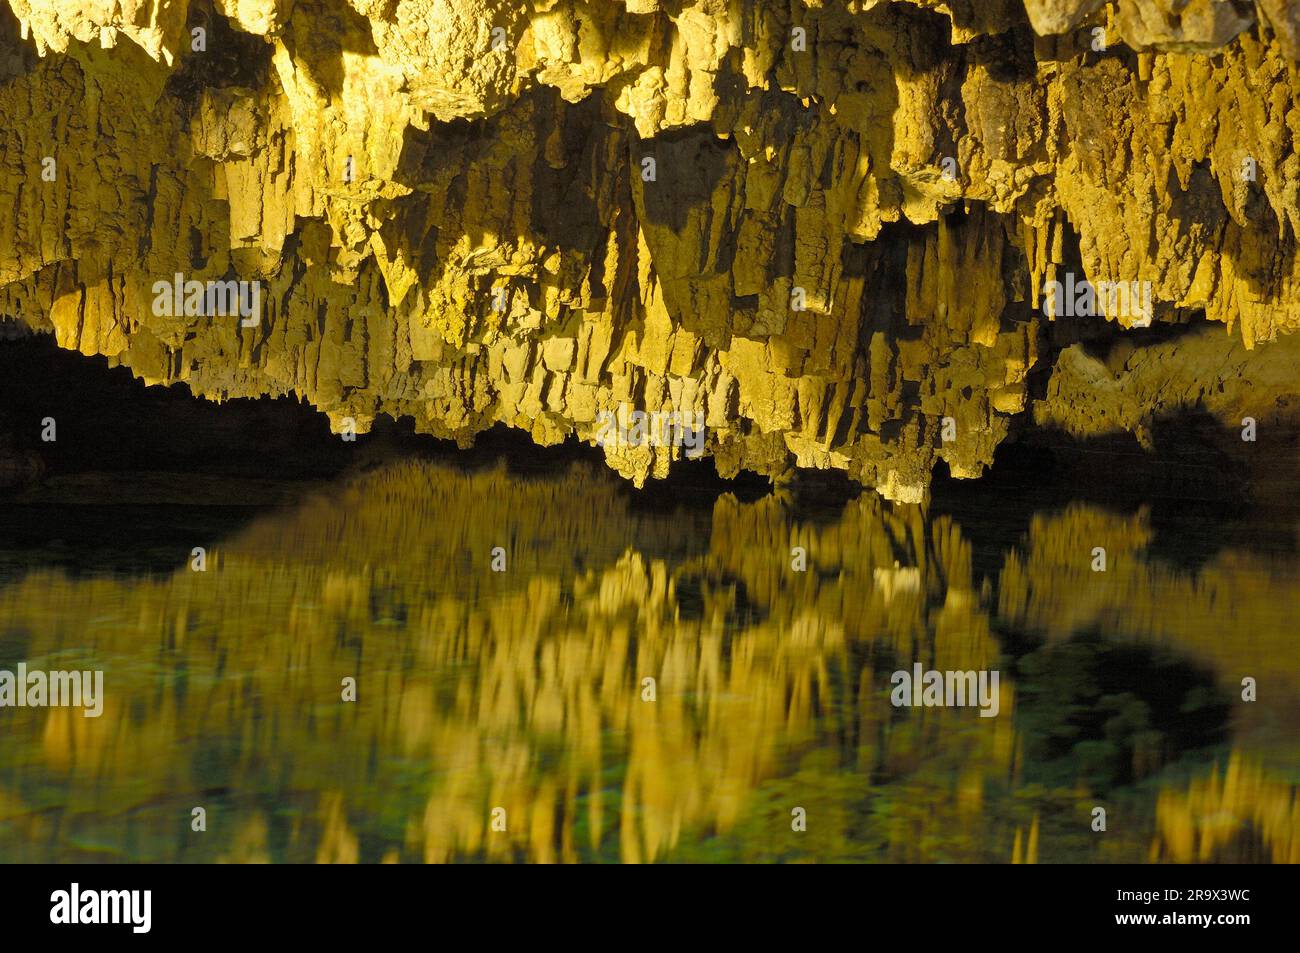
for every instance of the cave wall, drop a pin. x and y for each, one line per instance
(853, 212)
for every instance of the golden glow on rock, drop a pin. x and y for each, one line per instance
(447, 206)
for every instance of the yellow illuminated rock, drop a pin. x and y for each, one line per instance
(826, 226)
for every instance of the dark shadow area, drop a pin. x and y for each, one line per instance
(18, 57)
(689, 165)
(317, 35)
(105, 420)
(136, 474)
(229, 57)
(1107, 714)
(695, 483)
(1198, 498)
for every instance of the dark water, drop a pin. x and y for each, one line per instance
(520, 696)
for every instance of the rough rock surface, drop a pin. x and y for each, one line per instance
(838, 255)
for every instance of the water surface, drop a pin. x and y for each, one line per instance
(524, 691)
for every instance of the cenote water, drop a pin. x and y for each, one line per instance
(507, 716)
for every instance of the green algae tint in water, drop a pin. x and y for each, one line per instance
(523, 696)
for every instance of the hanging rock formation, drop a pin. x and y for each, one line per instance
(829, 227)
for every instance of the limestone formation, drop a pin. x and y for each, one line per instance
(829, 226)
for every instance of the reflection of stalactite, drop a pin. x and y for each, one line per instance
(1241, 815)
(1029, 854)
(1049, 587)
(522, 690)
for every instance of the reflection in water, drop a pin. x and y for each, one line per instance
(525, 689)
